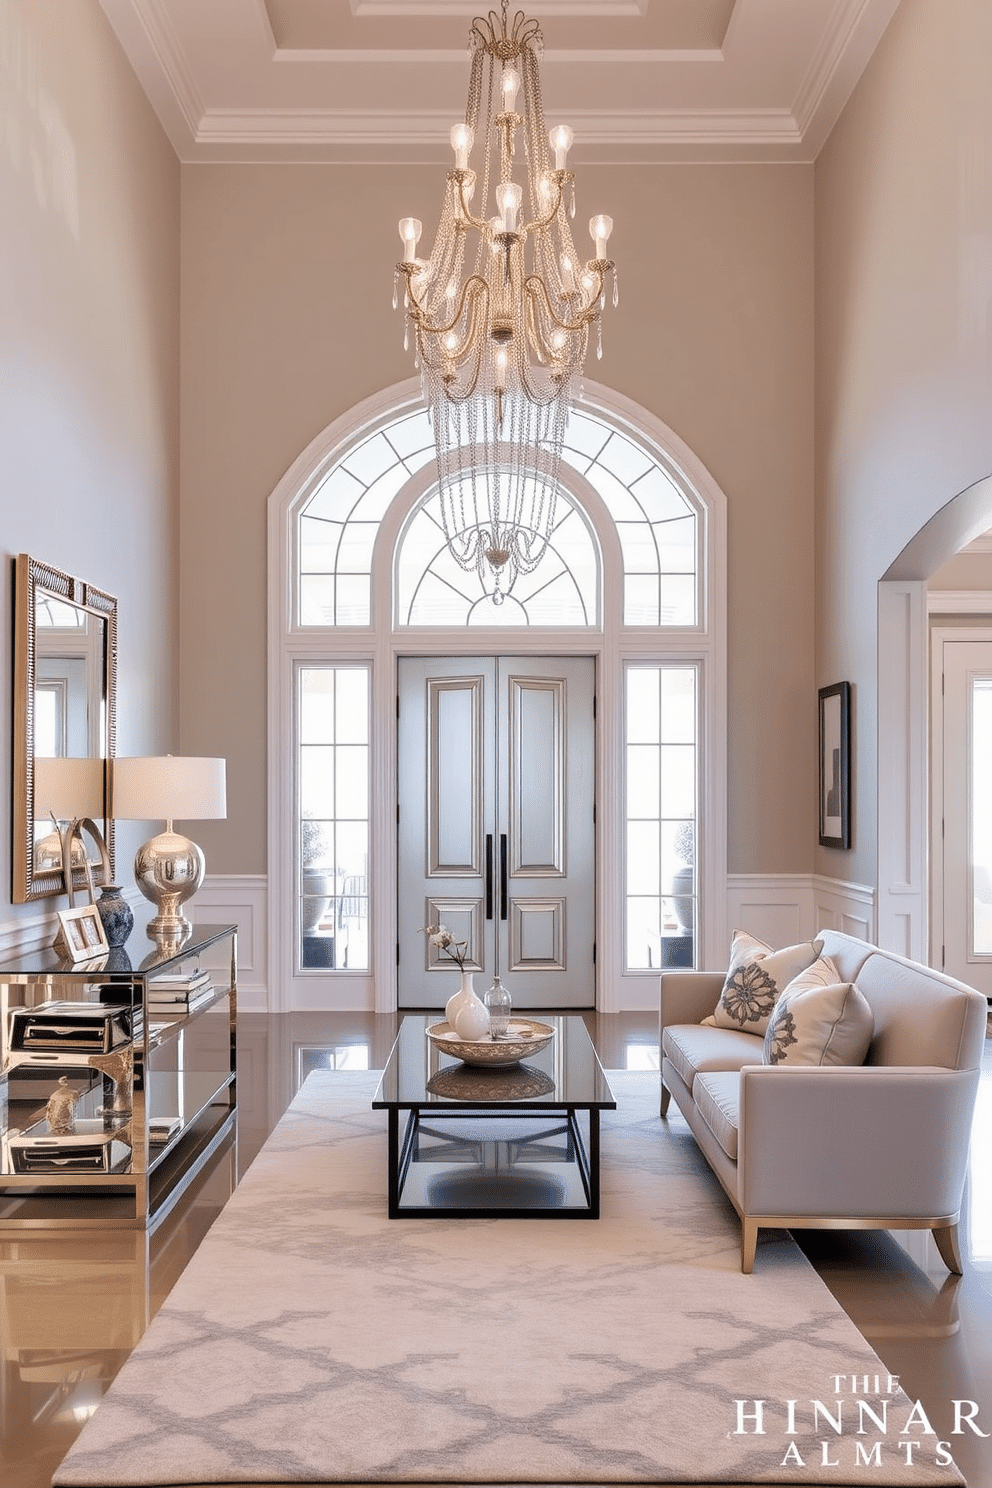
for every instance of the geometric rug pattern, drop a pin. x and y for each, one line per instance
(313, 1340)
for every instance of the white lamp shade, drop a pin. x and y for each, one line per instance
(169, 787)
(68, 788)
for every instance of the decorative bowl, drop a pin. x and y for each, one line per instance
(500, 1083)
(526, 1036)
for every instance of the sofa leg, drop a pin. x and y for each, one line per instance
(948, 1244)
(666, 1096)
(749, 1243)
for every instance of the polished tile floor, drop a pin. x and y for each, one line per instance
(71, 1309)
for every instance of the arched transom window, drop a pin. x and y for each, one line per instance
(656, 517)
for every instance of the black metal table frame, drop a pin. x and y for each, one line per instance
(401, 1154)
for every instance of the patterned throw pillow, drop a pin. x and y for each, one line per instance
(756, 978)
(819, 1020)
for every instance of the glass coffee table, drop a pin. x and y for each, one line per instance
(517, 1142)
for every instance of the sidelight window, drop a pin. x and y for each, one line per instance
(660, 759)
(333, 822)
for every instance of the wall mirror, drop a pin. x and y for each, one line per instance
(65, 666)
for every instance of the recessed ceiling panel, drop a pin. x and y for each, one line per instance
(656, 25)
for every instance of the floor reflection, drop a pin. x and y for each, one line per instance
(73, 1307)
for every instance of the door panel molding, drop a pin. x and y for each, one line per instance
(464, 918)
(537, 807)
(537, 935)
(454, 783)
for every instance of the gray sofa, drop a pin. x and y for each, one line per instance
(878, 1145)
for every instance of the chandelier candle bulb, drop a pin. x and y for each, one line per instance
(599, 230)
(410, 230)
(508, 199)
(511, 87)
(462, 139)
(560, 139)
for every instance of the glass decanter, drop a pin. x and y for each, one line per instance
(498, 1007)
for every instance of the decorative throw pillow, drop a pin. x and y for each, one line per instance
(819, 1022)
(756, 978)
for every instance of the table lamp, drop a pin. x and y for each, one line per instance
(66, 790)
(169, 868)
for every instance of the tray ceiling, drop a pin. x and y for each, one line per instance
(382, 80)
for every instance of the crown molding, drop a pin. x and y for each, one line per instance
(844, 50)
(455, 56)
(148, 26)
(327, 127)
(155, 44)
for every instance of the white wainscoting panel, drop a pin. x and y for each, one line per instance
(36, 927)
(241, 899)
(779, 908)
(844, 906)
(776, 907)
(783, 909)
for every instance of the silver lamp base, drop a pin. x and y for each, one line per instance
(168, 870)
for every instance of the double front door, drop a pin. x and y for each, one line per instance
(496, 830)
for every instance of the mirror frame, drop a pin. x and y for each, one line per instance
(30, 576)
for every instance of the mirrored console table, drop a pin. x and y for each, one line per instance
(118, 1079)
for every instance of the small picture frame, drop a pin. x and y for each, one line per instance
(81, 935)
(835, 765)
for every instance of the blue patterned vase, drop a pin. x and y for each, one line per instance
(116, 914)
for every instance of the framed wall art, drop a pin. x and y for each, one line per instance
(835, 765)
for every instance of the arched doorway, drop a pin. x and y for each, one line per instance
(903, 753)
(639, 588)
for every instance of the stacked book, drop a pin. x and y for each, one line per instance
(176, 993)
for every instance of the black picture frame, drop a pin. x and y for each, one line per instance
(835, 765)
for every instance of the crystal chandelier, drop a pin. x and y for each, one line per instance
(502, 310)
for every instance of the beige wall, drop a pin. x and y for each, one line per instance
(287, 322)
(89, 351)
(964, 571)
(904, 336)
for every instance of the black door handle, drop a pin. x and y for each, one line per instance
(489, 875)
(502, 876)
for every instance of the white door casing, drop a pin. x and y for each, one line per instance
(961, 877)
(496, 832)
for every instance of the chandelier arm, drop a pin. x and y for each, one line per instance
(535, 285)
(474, 285)
(543, 397)
(561, 368)
(540, 223)
(450, 393)
(478, 223)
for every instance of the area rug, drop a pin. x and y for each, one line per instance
(313, 1340)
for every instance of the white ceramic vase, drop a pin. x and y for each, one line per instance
(466, 1012)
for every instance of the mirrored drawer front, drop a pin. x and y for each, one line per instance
(77, 1026)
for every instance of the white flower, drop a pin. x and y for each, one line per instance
(441, 937)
